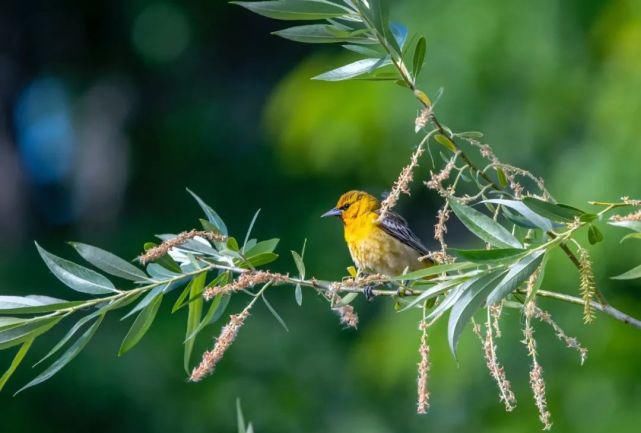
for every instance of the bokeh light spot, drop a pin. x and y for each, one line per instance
(161, 32)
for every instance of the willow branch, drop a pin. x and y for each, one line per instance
(605, 309)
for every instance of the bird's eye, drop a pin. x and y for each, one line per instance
(344, 207)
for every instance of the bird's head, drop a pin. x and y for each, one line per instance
(353, 204)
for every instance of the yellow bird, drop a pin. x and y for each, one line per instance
(388, 246)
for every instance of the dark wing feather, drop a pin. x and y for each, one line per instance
(396, 226)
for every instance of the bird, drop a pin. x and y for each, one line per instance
(385, 246)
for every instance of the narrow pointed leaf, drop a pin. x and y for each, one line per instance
(108, 262)
(322, 34)
(467, 304)
(33, 304)
(148, 299)
(261, 247)
(419, 56)
(75, 276)
(434, 270)
(517, 274)
(249, 230)
(630, 236)
(632, 225)
(352, 70)
(484, 227)
(449, 300)
(274, 313)
(66, 357)
(298, 295)
(17, 359)
(294, 9)
(300, 265)
(632, 274)
(262, 259)
(489, 256)
(555, 212)
(141, 325)
(79, 324)
(541, 222)
(212, 216)
(12, 336)
(432, 292)
(366, 51)
(194, 314)
(240, 419)
(540, 277)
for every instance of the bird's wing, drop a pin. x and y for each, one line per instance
(396, 226)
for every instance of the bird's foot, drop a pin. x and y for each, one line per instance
(368, 291)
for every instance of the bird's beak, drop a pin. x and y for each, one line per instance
(331, 212)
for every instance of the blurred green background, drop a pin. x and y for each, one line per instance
(111, 109)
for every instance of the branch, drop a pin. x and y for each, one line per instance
(606, 309)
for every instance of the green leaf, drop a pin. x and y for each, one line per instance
(500, 174)
(33, 304)
(594, 235)
(539, 280)
(300, 265)
(347, 299)
(212, 216)
(148, 299)
(249, 230)
(474, 135)
(12, 336)
(449, 300)
(141, 325)
(517, 274)
(366, 51)
(11, 322)
(484, 227)
(467, 304)
(160, 273)
(322, 34)
(431, 292)
(537, 220)
(16, 362)
(631, 236)
(489, 256)
(294, 10)
(262, 259)
(433, 270)
(298, 294)
(108, 262)
(632, 274)
(555, 212)
(194, 314)
(261, 247)
(75, 276)
(419, 56)
(240, 418)
(216, 309)
(446, 142)
(66, 357)
(232, 244)
(79, 324)
(632, 225)
(274, 312)
(351, 70)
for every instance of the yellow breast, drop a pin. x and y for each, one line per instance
(373, 250)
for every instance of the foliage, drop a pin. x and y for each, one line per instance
(515, 218)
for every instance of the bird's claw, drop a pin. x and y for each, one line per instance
(368, 291)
